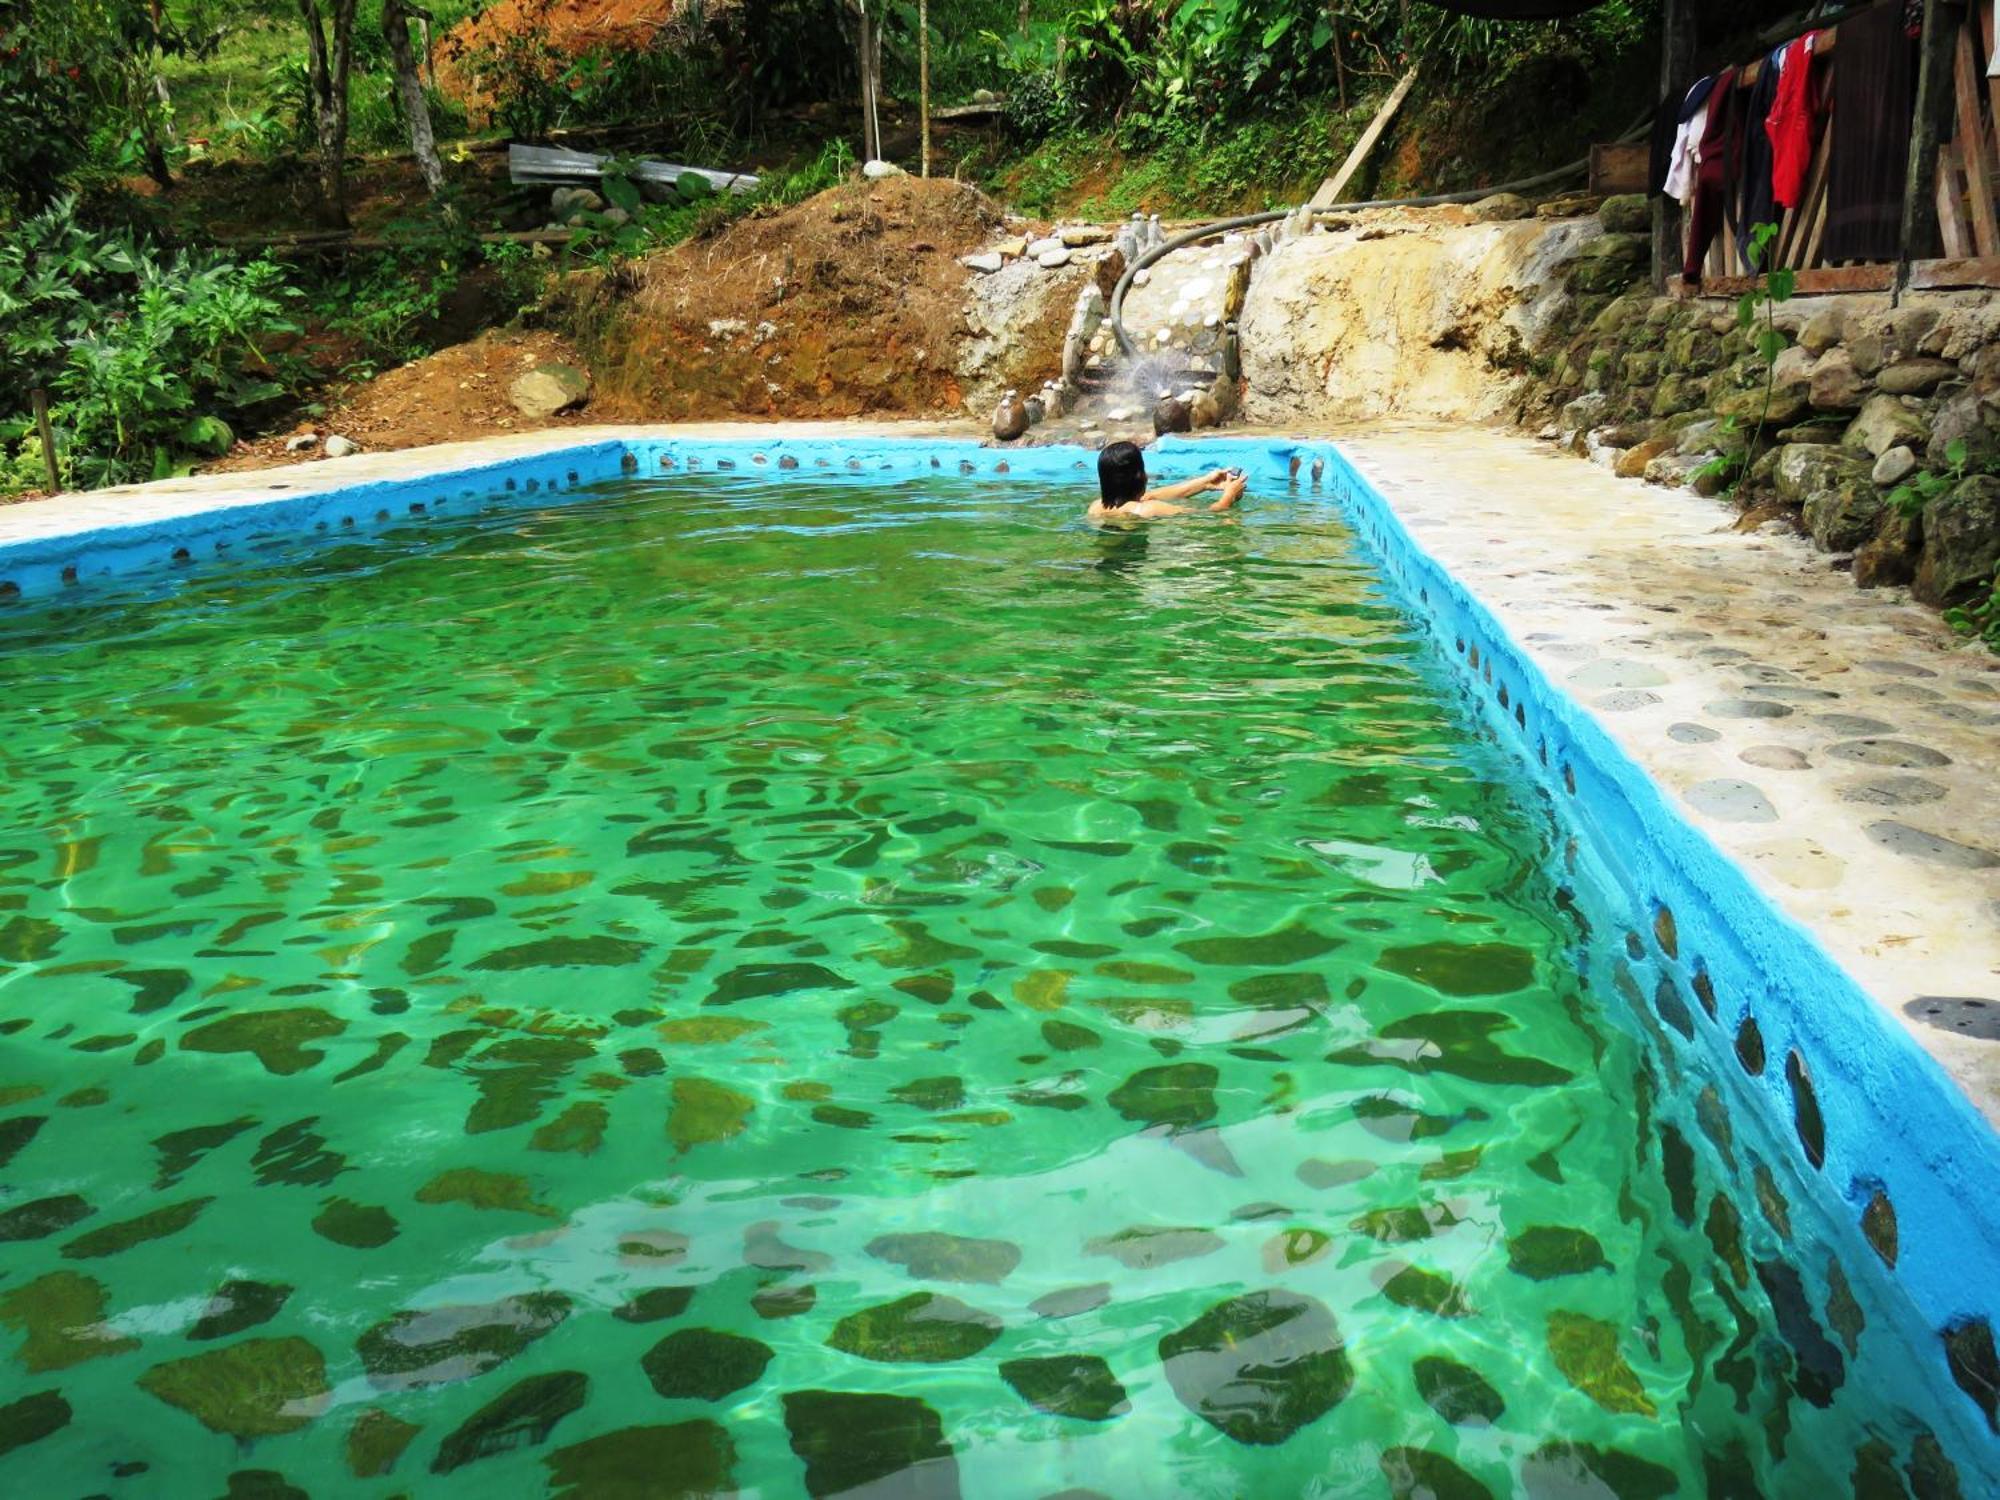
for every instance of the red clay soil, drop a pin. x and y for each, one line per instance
(457, 393)
(848, 304)
(566, 28)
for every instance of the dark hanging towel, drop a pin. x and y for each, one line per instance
(1753, 186)
(1721, 155)
(1873, 100)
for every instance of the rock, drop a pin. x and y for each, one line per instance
(1836, 384)
(1043, 246)
(1010, 418)
(616, 216)
(1915, 377)
(1171, 414)
(1821, 331)
(1786, 405)
(544, 391)
(1050, 260)
(1204, 411)
(1676, 394)
(1891, 558)
(572, 202)
(1793, 367)
(1869, 351)
(1695, 350)
(1982, 367)
(1626, 213)
(1568, 206)
(1811, 432)
(1844, 514)
(878, 169)
(1606, 272)
(1012, 249)
(1641, 369)
(340, 447)
(922, 1328)
(1805, 469)
(1582, 414)
(1961, 419)
(1961, 541)
(1077, 236)
(1260, 1366)
(1501, 208)
(1885, 423)
(1893, 467)
(1631, 464)
(1673, 469)
(987, 261)
(299, 442)
(256, 1388)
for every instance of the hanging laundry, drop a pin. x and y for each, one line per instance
(1678, 179)
(1718, 149)
(1873, 88)
(1753, 198)
(1795, 121)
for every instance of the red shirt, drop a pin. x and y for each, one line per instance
(1793, 122)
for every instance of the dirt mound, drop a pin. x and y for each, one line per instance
(850, 303)
(457, 393)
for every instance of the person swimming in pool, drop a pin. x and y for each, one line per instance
(1123, 496)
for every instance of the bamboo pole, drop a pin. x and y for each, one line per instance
(924, 78)
(1934, 85)
(39, 400)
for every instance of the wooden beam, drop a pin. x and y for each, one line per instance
(1677, 42)
(1827, 281)
(1330, 190)
(1918, 236)
(1958, 244)
(1938, 275)
(1971, 147)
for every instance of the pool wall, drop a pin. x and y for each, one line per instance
(1902, 1165)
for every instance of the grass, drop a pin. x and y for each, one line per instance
(231, 84)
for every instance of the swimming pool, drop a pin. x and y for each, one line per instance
(801, 981)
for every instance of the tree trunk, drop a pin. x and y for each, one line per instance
(396, 17)
(329, 51)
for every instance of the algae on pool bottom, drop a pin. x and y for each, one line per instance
(789, 988)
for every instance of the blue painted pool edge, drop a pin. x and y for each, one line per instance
(1896, 1126)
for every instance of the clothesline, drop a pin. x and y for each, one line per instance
(1751, 72)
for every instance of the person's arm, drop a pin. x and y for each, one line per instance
(1215, 479)
(1232, 491)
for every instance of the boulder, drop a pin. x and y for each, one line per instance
(546, 390)
(1641, 369)
(987, 261)
(1915, 377)
(1077, 236)
(1960, 419)
(1502, 207)
(1821, 331)
(1676, 394)
(1711, 436)
(1885, 423)
(1803, 470)
(1631, 464)
(1051, 260)
(1893, 467)
(1626, 213)
(1982, 367)
(1695, 350)
(1672, 469)
(1869, 351)
(340, 447)
(1836, 385)
(1044, 246)
(1891, 558)
(878, 169)
(1793, 368)
(1581, 415)
(1787, 405)
(1845, 514)
(1961, 541)
(1610, 263)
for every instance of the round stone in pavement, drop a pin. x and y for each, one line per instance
(1895, 755)
(1963, 1014)
(1722, 653)
(1731, 801)
(1961, 713)
(1907, 692)
(1890, 668)
(1914, 843)
(1853, 724)
(1774, 758)
(1892, 791)
(1746, 708)
(1625, 700)
(1617, 674)
(1691, 734)
(1786, 692)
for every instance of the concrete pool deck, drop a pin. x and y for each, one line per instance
(1841, 746)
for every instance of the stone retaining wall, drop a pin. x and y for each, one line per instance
(1833, 438)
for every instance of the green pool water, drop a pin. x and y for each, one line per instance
(830, 987)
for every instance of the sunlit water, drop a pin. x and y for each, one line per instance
(834, 987)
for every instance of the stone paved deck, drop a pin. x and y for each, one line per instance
(1842, 745)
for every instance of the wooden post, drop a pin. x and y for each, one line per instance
(1677, 44)
(39, 400)
(1934, 96)
(1330, 190)
(924, 79)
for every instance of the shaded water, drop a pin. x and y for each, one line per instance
(838, 987)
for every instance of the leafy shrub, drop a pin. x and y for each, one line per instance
(140, 351)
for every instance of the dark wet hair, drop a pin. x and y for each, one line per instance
(1121, 474)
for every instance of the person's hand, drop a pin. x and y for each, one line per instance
(1232, 491)
(1216, 479)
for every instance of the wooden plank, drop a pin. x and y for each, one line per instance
(1985, 13)
(1950, 210)
(1821, 48)
(1971, 147)
(1809, 256)
(1619, 168)
(1934, 275)
(1330, 190)
(1827, 281)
